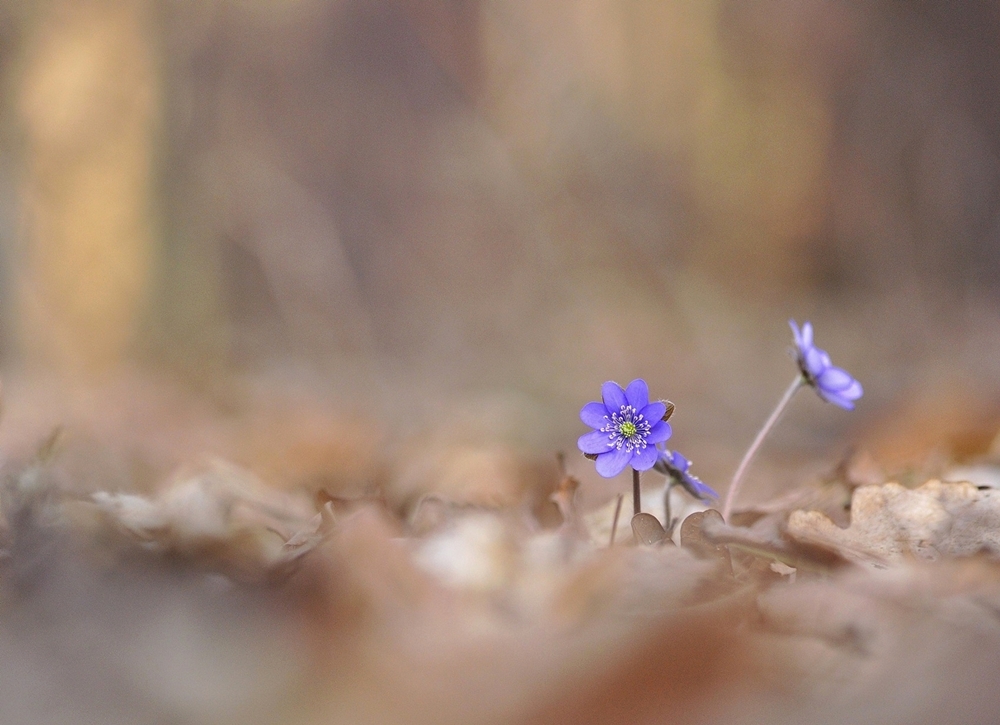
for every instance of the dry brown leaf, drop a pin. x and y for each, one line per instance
(217, 508)
(890, 522)
(565, 498)
(694, 540)
(916, 643)
(646, 529)
(831, 497)
(766, 543)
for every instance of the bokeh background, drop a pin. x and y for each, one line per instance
(361, 244)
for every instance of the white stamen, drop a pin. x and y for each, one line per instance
(618, 439)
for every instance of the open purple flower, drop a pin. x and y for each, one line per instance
(675, 466)
(627, 428)
(834, 385)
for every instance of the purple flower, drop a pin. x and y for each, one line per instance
(628, 427)
(674, 465)
(832, 384)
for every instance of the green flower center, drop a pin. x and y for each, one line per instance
(627, 428)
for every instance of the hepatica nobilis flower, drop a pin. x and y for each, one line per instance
(627, 427)
(834, 385)
(676, 467)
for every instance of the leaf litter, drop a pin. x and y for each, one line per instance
(217, 598)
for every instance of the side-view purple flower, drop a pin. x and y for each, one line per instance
(675, 466)
(834, 385)
(627, 427)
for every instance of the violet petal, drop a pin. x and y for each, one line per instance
(659, 432)
(637, 394)
(814, 361)
(807, 334)
(834, 380)
(654, 411)
(643, 460)
(613, 462)
(797, 335)
(852, 392)
(594, 442)
(613, 396)
(594, 414)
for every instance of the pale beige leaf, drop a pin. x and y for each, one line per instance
(890, 523)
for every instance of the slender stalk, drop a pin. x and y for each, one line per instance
(636, 493)
(666, 506)
(614, 521)
(748, 457)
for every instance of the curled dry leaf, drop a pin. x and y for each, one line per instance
(694, 540)
(769, 544)
(890, 522)
(308, 538)
(648, 530)
(564, 497)
(218, 508)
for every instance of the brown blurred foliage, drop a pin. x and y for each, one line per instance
(463, 216)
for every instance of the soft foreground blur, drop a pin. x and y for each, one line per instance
(261, 256)
(219, 599)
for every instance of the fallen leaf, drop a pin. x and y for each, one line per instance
(648, 530)
(890, 522)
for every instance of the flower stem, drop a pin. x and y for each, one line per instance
(636, 493)
(614, 521)
(734, 487)
(667, 516)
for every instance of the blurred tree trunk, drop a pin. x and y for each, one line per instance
(89, 104)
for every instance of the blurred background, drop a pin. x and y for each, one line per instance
(373, 249)
(363, 243)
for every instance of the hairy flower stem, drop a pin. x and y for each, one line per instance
(667, 517)
(636, 493)
(614, 522)
(748, 457)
